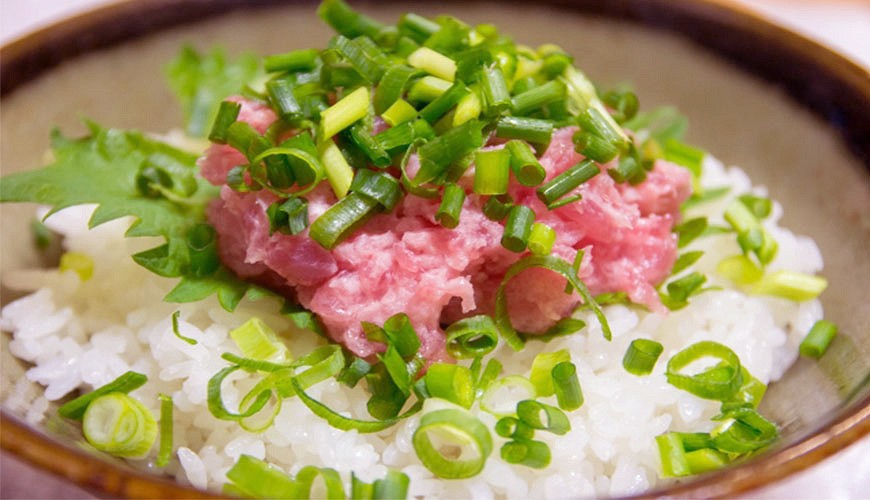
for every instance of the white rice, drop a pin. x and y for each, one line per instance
(81, 335)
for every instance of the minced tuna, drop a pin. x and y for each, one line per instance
(405, 261)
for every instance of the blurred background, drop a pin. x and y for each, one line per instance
(842, 25)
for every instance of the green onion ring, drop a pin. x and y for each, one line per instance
(707, 388)
(455, 428)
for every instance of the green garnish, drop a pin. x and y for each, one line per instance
(818, 339)
(119, 425)
(452, 428)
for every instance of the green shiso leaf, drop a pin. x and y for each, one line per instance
(103, 168)
(202, 80)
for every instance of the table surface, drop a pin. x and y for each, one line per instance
(842, 25)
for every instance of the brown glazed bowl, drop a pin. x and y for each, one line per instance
(793, 114)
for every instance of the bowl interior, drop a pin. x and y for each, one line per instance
(737, 117)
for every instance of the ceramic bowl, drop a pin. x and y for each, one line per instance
(793, 114)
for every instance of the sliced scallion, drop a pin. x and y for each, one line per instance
(518, 228)
(451, 206)
(526, 167)
(541, 416)
(119, 425)
(528, 452)
(453, 430)
(566, 385)
(492, 171)
(641, 356)
(791, 285)
(450, 382)
(818, 339)
(471, 337)
(166, 429)
(550, 192)
(716, 388)
(541, 239)
(434, 63)
(127, 382)
(342, 219)
(344, 113)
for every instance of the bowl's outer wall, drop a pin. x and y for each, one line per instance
(806, 165)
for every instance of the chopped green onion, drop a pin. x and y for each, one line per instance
(681, 289)
(497, 208)
(347, 21)
(343, 423)
(567, 181)
(397, 369)
(494, 89)
(434, 63)
(437, 155)
(451, 206)
(342, 219)
(427, 89)
(292, 62)
(391, 87)
(598, 122)
(540, 416)
(791, 285)
(502, 396)
(468, 109)
(595, 147)
(127, 382)
(746, 432)
(80, 263)
(513, 428)
(541, 239)
(165, 452)
(216, 404)
(758, 205)
(401, 334)
(257, 479)
(626, 170)
(705, 460)
(518, 228)
(394, 485)
(537, 97)
(450, 382)
(288, 216)
(283, 98)
(624, 104)
(716, 388)
(525, 166)
(119, 425)
(380, 186)
(417, 27)
(361, 137)
(492, 171)
(228, 113)
(444, 102)
(344, 113)
(490, 373)
(257, 341)
(471, 337)
(399, 112)
(566, 385)
(740, 270)
(641, 356)
(527, 129)
(352, 373)
(453, 430)
(177, 332)
(818, 339)
(541, 374)
(534, 454)
(363, 54)
(672, 455)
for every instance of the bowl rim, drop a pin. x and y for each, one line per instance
(26, 58)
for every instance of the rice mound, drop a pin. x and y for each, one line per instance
(81, 335)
